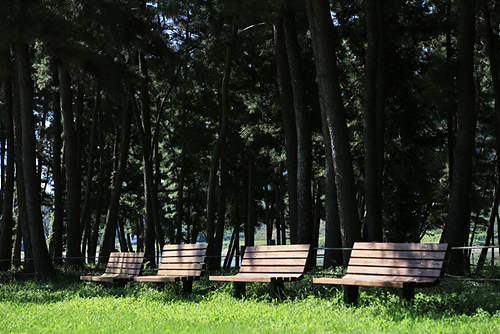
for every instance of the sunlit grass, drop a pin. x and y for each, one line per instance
(71, 306)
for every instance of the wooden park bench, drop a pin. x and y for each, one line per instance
(269, 264)
(403, 266)
(182, 263)
(121, 267)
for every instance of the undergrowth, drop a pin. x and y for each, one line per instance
(69, 305)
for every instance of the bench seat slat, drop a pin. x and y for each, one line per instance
(402, 266)
(393, 271)
(180, 266)
(179, 263)
(401, 246)
(182, 259)
(120, 267)
(275, 255)
(122, 271)
(184, 247)
(179, 273)
(183, 253)
(269, 264)
(281, 248)
(263, 278)
(272, 262)
(396, 263)
(125, 265)
(387, 254)
(271, 269)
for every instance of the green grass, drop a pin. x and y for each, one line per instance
(70, 306)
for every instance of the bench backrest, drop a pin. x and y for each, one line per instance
(127, 263)
(287, 260)
(182, 260)
(398, 259)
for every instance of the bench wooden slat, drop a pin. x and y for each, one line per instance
(269, 264)
(281, 248)
(384, 271)
(179, 266)
(400, 279)
(386, 254)
(184, 247)
(130, 265)
(122, 271)
(395, 263)
(272, 262)
(120, 267)
(176, 273)
(440, 247)
(179, 263)
(271, 269)
(402, 266)
(275, 255)
(182, 259)
(184, 253)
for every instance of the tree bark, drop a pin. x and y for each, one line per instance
(333, 233)
(43, 265)
(56, 241)
(252, 213)
(108, 235)
(73, 187)
(371, 103)
(322, 33)
(304, 149)
(224, 123)
(23, 231)
(457, 230)
(221, 214)
(7, 224)
(85, 214)
(289, 129)
(492, 49)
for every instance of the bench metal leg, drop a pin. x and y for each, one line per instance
(239, 289)
(351, 293)
(407, 293)
(277, 288)
(187, 286)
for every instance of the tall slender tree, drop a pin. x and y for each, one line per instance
(322, 33)
(457, 227)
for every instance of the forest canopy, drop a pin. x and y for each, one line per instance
(169, 121)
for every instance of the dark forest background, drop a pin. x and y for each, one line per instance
(166, 120)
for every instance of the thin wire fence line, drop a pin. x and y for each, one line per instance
(224, 256)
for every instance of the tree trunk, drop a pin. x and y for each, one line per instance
(221, 214)
(7, 224)
(180, 194)
(99, 203)
(322, 33)
(224, 123)
(153, 225)
(23, 234)
(43, 264)
(85, 217)
(58, 224)
(304, 157)
(373, 174)
(457, 230)
(492, 49)
(286, 100)
(252, 213)
(73, 187)
(108, 235)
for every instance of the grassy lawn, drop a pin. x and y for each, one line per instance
(70, 306)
